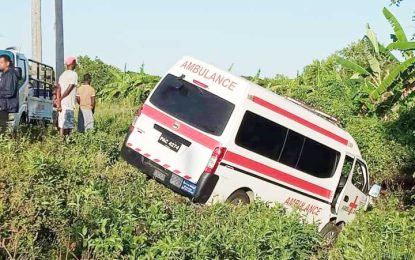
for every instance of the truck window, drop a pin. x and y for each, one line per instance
(193, 105)
(21, 63)
(318, 160)
(261, 136)
(358, 178)
(292, 149)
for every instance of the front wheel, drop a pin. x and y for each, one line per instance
(23, 120)
(239, 197)
(330, 232)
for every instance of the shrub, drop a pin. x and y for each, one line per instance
(386, 158)
(383, 233)
(75, 198)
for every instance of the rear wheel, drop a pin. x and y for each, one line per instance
(23, 120)
(239, 197)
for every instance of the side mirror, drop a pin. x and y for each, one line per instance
(375, 190)
(19, 72)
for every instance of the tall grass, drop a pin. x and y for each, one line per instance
(74, 198)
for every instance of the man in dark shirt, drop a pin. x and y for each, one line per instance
(9, 102)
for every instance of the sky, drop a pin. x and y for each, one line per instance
(278, 37)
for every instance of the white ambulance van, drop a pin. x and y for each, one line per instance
(213, 136)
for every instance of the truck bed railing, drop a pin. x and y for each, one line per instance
(42, 79)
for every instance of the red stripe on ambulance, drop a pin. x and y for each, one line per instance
(185, 130)
(298, 119)
(200, 84)
(276, 174)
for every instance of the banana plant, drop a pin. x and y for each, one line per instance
(385, 73)
(380, 61)
(131, 85)
(399, 38)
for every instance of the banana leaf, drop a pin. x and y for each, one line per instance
(399, 32)
(402, 46)
(352, 66)
(391, 78)
(371, 36)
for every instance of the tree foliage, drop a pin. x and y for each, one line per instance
(383, 76)
(112, 84)
(101, 72)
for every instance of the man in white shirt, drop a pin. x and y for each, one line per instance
(67, 82)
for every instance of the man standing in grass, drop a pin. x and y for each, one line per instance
(86, 99)
(9, 101)
(67, 83)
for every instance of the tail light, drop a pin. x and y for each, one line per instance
(215, 159)
(139, 111)
(131, 128)
(136, 118)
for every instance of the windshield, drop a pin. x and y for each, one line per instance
(192, 105)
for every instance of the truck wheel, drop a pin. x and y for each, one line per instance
(23, 120)
(330, 232)
(239, 197)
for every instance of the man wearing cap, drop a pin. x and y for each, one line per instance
(67, 82)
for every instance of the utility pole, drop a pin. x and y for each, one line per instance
(37, 30)
(59, 37)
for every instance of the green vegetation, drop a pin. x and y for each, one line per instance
(384, 78)
(76, 198)
(386, 232)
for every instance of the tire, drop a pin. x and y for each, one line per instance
(238, 197)
(330, 232)
(23, 120)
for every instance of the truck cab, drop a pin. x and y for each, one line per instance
(36, 81)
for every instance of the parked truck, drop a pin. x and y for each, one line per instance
(36, 81)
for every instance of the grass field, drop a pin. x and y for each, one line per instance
(76, 198)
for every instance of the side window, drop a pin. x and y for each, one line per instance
(261, 136)
(318, 159)
(21, 63)
(292, 149)
(358, 178)
(347, 166)
(346, 170)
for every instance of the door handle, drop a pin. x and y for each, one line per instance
(346, 198)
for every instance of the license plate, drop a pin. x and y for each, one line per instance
(189, 187)
(169, 143)
(159, 175)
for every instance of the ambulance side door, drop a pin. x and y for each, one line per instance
(354, 195)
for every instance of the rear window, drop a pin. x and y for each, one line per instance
(267, 138)
(192, 105)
